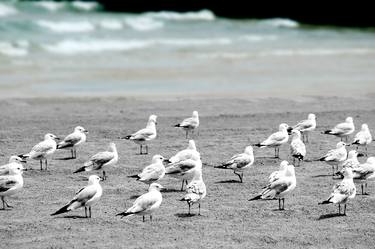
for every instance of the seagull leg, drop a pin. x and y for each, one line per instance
(46, 163)
(2, 199)
(143, 218)
(345, 209)
(41, 165)
(279, 204)
(104, 176)
(90, 212)
(7, 205)
(146, 149)
(199, 208)
(150, 217)
(283, 203)
(182, 186)
(186, 134)
(238, 176)
(140, 149)
(189, 207)
(339, 209)
(86, 212)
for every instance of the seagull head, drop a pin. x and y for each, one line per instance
(364, 127)
(195, 114)
(249, 150)
(81, 129)
(352, 154)
(50, 136)
(283, 165)
(152, 119)
(340, 145)
(296, 134)
(311, 116)
(94, 179)
(157, 158)
(349, 120)
(155, 186)
(16, 159)
(283, 127)
(192, 145)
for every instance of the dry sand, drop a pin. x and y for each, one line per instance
(228, 220)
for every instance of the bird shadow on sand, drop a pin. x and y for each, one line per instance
(328, 216)
(64, 158)
(72, 217)
(317, 176)
(228, 181)
(185, 215)
(171, 190)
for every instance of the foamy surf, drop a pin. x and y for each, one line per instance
(85, 5)
(16, 49)
(281, 23)
(202, 15)
(7, 10)
(67, 26)
(143, 23)
(50, 5)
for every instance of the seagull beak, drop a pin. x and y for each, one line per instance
(86, 131)
(57, 138)
(360, 155)
(101, 178)
(166, 161)
(347, 144)
(23, 161)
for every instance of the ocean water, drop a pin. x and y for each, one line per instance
(59, 49)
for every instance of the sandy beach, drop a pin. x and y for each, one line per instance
(228, 220)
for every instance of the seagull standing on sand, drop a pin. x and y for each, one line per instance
(196, 191)
(43, 150)
(73, 140)
(276, 139)
(297, 147)
(305, 127)
(11, 184)
(142, 137)
(336, 156)
(189, 124)
(280, 187)
(363, 137)
(85, 197)
(364, 172)
(153, 172)
(14, 162)
(184, 170)
(342, 130)
(342, 191)
(239, 162)
(146, 203)
(101, 160)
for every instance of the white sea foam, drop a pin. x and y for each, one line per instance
(143, 23)
(258, 38)
(50, 5)
(203, 15)
(281, 23)
(195, 41)
(317, 52)
(17, 49)
(6, 10)
(85, 6)
(67, 26)
(111, 24)
(71, 47)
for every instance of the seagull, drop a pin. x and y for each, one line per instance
(43, 150)
(276, 139)
(11, 184)
(146, 203)
(189, 124)
(351, 161)
(342, 191)
(364, 172)
(297, 147)
(196, 191)
(184, 170)
(153, 172)
(85, 197)
(336, 156)
(280, 187)
(363, 137)
(305, 127)
(14, 162)
(73, 140)
(189, 153)
(141, 137)
(101, 160)
(239, 162)
(343, 129)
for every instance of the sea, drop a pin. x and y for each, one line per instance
(76, 49)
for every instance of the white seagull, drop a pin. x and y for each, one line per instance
(305, 127)
(146, 203)
(153, 172)
(280, 187)
(342, 191)
(14, 162)
(43, 150)
(189, 153)
(196, 191)
(184, 170)
(11, 184)
(363, 137)
(336, 156)
(276, 175)
(297, 147)
(101, 160)
(189, 124)
(364, 172)
(342, 130)
(276, 139)
(73, 140)
(239, 162)
(85, 197)
(142, 137)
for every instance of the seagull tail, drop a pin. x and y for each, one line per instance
(321, 159)
(258, 145)
(327, 132)
(134, 176)
(325, 202)
(299, 157)
(258, 197)
(123, 214)
(62, 145)
(80, 169)
(64, 209)
(126, 137)
(177, 125)
(222, 166)
(24, 156)
(355, 142)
